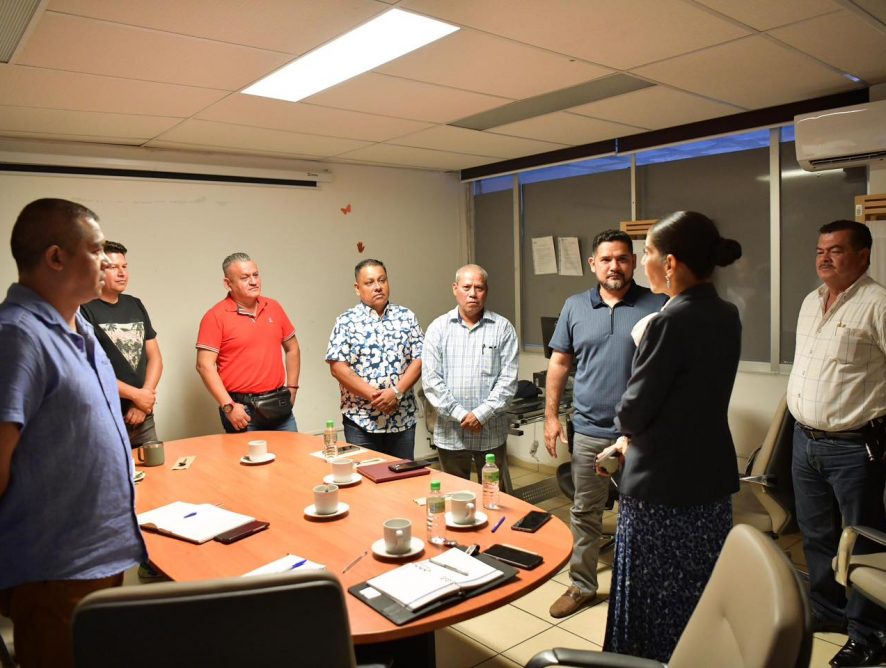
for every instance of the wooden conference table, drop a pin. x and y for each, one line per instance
(279, 492)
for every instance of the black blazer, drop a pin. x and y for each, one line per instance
(674, 407)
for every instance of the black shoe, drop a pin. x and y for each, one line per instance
(855, 653)
(821, 625)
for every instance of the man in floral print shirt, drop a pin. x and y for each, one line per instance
(375, 354)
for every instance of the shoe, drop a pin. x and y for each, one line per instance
(855, 653)
(821, 625)
(571, 601)
(147, 572)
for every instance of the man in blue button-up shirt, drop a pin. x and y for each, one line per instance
(67, 503)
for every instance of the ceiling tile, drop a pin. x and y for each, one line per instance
(210, 133)
(565, 128)
(403, 156)
(138, 53)
(473, 142)
(655, 108)
(754, 72)
(620, 34)
(298, 117)
(291, 26)
(843, 40)
(87, 139)
(54, 89)
(381, 94)
(766, 14)
(84, 123)
(487, 64)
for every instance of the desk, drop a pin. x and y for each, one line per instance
(279, 492)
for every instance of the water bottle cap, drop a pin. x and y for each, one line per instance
(435, 485)
(330, 424)
(490, 458)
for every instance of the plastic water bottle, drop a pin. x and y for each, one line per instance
(436, 504)
(489, 476)
(330, 438)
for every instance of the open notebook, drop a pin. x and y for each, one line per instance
(196, 522)
(419, 583)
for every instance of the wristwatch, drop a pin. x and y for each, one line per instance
(397, 393)
(227, 408)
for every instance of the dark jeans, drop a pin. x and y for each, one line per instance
(826, 471)
(395, 443)
(458, 463)
(142, 433)
(258, 423)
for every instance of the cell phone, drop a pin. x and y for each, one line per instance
(400, 467)
(514, 556)
(531, 521)
(242, 532)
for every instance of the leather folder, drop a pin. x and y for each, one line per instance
(381, 472)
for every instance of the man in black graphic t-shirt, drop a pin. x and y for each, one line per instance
(124, 330)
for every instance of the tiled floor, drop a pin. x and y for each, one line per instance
(508, 636)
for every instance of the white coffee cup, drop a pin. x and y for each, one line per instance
(398, 535)
(325, 499)
(257, 449)
(342, 469)
(464, 507)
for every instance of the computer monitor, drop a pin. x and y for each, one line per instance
(548, 324)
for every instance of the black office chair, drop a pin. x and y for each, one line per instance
(287, 619)
(753, 613)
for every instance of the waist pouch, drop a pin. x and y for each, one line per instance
(275, 406)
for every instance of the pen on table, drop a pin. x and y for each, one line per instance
(447, 566)
(498, 524)
(298, 563)
(190, 514)
(354, 562)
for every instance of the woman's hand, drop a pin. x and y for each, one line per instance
(617, 451)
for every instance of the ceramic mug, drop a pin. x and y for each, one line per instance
(464, 507)
(325, 499)
(151, 453)
(398, 535)
(342, 469)
(258, 450)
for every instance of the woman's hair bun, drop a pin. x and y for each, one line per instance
(726, 252)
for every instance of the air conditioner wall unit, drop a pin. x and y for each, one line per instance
(841, 137)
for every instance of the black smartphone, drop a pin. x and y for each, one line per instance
(514, 556)
(241, 532)
(531, 521)
(400, 467)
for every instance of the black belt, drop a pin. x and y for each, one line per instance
(249, 399)
(818, 434)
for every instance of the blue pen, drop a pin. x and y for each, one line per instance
(498, 524)
(190, 514)
(298, 563)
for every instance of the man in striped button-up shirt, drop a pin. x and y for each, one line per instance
(469, 373)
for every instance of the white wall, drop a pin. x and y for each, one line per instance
(178, 233)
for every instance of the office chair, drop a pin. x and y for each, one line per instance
(286, 619)
(753, 613)
(865, 572)
(765, 499)
(5, 657)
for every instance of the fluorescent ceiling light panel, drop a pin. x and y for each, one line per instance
(379, 41)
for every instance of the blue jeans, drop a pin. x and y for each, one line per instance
(395, 443)
(828, 471)
(257, 423)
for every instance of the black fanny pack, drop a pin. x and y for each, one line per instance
(275, 406)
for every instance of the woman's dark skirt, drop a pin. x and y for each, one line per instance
(664, 556)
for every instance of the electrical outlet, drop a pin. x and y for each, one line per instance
(533, 449)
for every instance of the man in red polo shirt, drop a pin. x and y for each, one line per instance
(239, 358)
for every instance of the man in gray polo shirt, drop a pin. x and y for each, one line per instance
(594, 331)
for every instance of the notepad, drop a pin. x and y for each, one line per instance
(195, 522)
(286, 564)
(422, 582)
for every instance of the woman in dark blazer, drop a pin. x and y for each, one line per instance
(677, 453)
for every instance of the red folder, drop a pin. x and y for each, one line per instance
(381, 472)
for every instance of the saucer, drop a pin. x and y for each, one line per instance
(311, 511)
(330, 480)
(260, 460)
(416, 546)
(139, 476)
(479, 520)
